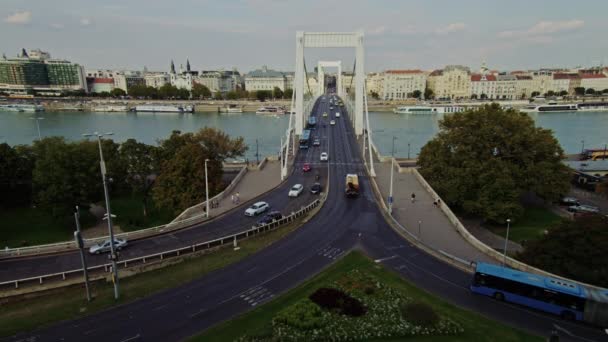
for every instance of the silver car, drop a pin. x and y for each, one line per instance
(104, 246)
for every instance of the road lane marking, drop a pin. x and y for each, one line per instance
(385, 259)
(131, 338)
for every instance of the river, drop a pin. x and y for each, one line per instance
(17, 128)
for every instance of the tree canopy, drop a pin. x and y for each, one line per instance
(484, 160)
(200, 91)
(574, 249)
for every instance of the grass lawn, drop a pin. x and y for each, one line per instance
(530, 226)
(71, 303)
(130, 214)
(20, 227)
(258, 321)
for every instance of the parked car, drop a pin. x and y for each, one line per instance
(316, 188)
(270, 217)
(257, 208)
(324, 156)
(583, 208)
(306, 167)
(296, 190)
(316, 142)
(337, 114)
(332, 122)
(569, 201)
(104, 246)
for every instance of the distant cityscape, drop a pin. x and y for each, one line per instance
(35, 72)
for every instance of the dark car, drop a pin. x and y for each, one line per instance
(316, 188)
(569, 201)
(270, 217)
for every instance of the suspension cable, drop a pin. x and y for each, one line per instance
(306, 76)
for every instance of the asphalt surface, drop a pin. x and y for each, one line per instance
(341, 225)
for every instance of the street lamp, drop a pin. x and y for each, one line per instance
(390, 196)
(419, 223)
(108, 215)
(408, 150)
(206, 190)
(38, 118)
(583, 146)
(504, 262)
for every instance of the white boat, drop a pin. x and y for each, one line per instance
(30, 108)
(231, 108)
(164, 109)
(111, 109)
(593, 106)
(550, 108)
(428, 109)
(270, 110)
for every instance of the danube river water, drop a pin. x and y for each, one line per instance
(413, 130)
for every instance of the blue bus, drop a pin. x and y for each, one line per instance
(312, 121)
(552, 295)
(305, 138)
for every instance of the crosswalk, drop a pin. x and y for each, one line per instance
(331, 252)
(256, 295)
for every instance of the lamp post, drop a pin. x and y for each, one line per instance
(504, 261)
(80, 243)
(390, 195)
(109, 215)
(38, 118)
(419, 234)
(206, 190)
(583, 146)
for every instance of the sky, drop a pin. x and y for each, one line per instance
(246, 34)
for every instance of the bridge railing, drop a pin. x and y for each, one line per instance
(74, 274)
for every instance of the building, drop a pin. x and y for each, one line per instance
(565, 82)
(265, 79)
(453, 82)
(401, 84)
(127, 79)
(597, 82)
(156, 79)
(40, 74)
(184, 79)
(99, 84)
(506, 87)
(524, 85)
(483, 86)
(374, 83)
(222, 81)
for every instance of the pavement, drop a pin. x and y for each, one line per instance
(435, 230)
(341, 225)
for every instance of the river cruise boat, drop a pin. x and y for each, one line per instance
(111, 109)
(428, 109)
(593, 106)
(550, 108)
(164, 109)
(231, 108)
(272, 110)
(28, 108)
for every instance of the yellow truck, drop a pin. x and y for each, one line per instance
(352, 185)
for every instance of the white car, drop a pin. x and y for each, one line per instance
(296, 190)
(337, 114)
(104, 246)
(324, 156)
(332, 122)
(257, 208)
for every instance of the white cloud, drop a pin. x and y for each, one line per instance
(453, 27)
(85, 21)
(21, 18)
(544, 28)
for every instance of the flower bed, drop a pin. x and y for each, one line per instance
(388, 313)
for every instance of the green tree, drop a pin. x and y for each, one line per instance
(277, 93)
(167, 91)
(200, 91)
(138, 90)
(181, 182)
(182, 94)
(218, 95)
(288, 93)
(232, 95)
(563, 93)
(605, 91)
(550, 93)
(416, 94)
(580, 91)
(140, 163)
(117, 92)
(374, 95)
(428, 93)
(573, 249)
(535, 94)
(262, 95)
(16, 166)
(590, 91)
(484, 160)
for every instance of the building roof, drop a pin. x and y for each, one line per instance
(593, 76)
(265, 72)
(519, 72)
(413, 71)
(437, 72)
(564, 76)
(101, 80)
(478, 77)
(523, 77)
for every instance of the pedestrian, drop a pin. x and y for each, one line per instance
(438, 202)
(435, 203)
(238, 198)
(413, 197)
(232, 198)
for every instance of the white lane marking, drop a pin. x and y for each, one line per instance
(131, 338)
(160, 307)
(201, 311)
(385, 259)
(557, 327)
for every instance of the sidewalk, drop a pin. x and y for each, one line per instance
(435, 228)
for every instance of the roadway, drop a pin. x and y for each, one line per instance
(341, 225)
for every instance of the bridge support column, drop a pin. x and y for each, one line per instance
(299, 83)
(359, 85)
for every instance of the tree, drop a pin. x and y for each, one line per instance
(262, 95)
(416, 94)
(374, 95)
(140, 163)
(117, 92)
(181, 182)
(139, 90)
(16, 166)
(484, 160)
(483, 96)
(573, 249)
(167, 91)
(605, 91)
(590, 91)
(535, 94)
(277, 93)
(288, 93)
(200, 91)
(428, 93)
(579, 91)
(550, 93)
(563, 93)
(232, 95)
(218, 95)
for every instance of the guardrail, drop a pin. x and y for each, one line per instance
(180, 222)
(234, 238)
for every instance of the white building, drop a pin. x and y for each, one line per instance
(157, 79)
(506, 87)
(597, 82)
(401, 84)
(374, 83)
(184, 79)
(483, 86)
(127, 79)
(265, 79)
(453, 82)
(524, 86)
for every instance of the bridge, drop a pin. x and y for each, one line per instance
(338, 227)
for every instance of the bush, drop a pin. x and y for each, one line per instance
(333, 299)
(303, 315)
(420, 314)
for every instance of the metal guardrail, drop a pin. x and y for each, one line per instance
(168, 254)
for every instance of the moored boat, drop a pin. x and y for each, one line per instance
(19, 107)
(164, 109)
(270, 110)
